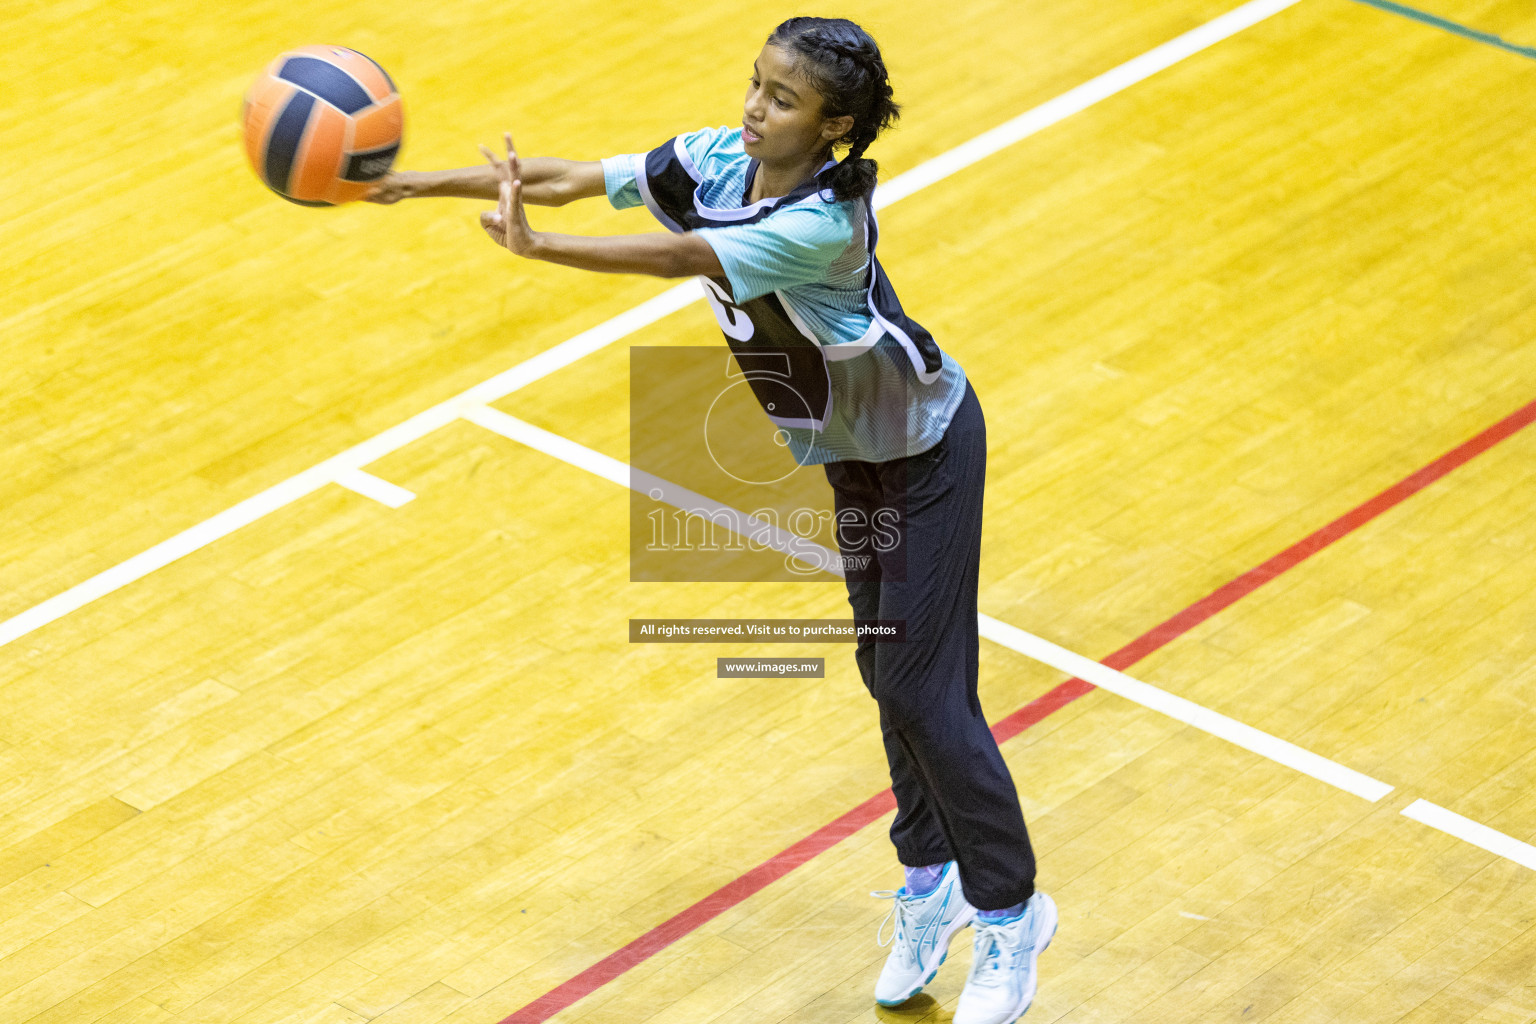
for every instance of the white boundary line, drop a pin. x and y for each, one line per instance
(539, 439)
(1012, 637)
(354, 458)
(1186, 711)
(1469, 831)
(589, 341)
(1078, 99)
(760, 533)
(999, 632)
(370, 486)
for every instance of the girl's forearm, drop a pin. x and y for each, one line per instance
(544, 182)
(657, 254)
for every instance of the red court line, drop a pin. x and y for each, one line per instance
(716, 903)
(1346, 524)
(829, 835)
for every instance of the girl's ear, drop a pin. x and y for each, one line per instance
(834, 128)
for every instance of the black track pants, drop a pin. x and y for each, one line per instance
(955, 798)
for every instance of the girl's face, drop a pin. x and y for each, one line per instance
(781, 119)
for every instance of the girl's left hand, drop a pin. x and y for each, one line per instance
(507, 224)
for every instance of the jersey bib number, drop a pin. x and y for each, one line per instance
(784, 366)
(733, 320)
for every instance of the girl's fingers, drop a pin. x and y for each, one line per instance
(498, 223)
(512, 163)
(502, 169)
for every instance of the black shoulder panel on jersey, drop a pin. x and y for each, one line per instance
(670, 191)
(888, 306)
(763, 328)
(913, 336)
(667, 187)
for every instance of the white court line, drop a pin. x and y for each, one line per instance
(370, 486)
(1102, 676)
(589, 341)
(539, 439)
(762, 533)
(359, 455)
(999, 632)
(345, 467)
(223, 524)
(1186, 711)
(1469, 831)
(1078, 99)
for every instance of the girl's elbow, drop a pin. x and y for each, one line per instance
(674, 268)
(680, 264)
(697, 258)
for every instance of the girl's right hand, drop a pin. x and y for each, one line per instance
(393, 187)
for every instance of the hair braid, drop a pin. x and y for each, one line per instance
(844, 64)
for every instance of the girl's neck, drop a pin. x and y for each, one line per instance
(780, 179)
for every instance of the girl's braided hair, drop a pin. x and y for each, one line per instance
(841, 60)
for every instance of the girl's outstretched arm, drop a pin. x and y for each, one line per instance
(658, 253)
(547, 181)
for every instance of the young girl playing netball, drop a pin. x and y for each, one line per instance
(783, 237)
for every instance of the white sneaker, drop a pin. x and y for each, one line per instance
(1002, 981)
(924, 926)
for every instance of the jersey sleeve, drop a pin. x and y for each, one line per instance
(703, 145)
(619, 174)
(795, 245)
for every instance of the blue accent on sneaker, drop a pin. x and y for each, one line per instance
(924, 925)
(1003, 976)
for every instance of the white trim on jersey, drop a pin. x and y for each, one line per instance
(685, 158)
(900, 335)
(642, 182)
(800, 325)
(849, 349)
(794, 318)
(735, 213)
(741, 212)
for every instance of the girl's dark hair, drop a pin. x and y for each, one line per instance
(842, 61)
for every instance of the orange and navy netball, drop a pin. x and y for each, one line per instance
(322, 123)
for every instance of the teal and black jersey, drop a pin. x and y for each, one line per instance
(805, 306)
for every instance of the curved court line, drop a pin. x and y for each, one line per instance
(569, 351)
(1087, 676)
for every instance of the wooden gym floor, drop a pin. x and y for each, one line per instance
(320, 760)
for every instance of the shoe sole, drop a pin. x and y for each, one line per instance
(963, 921)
